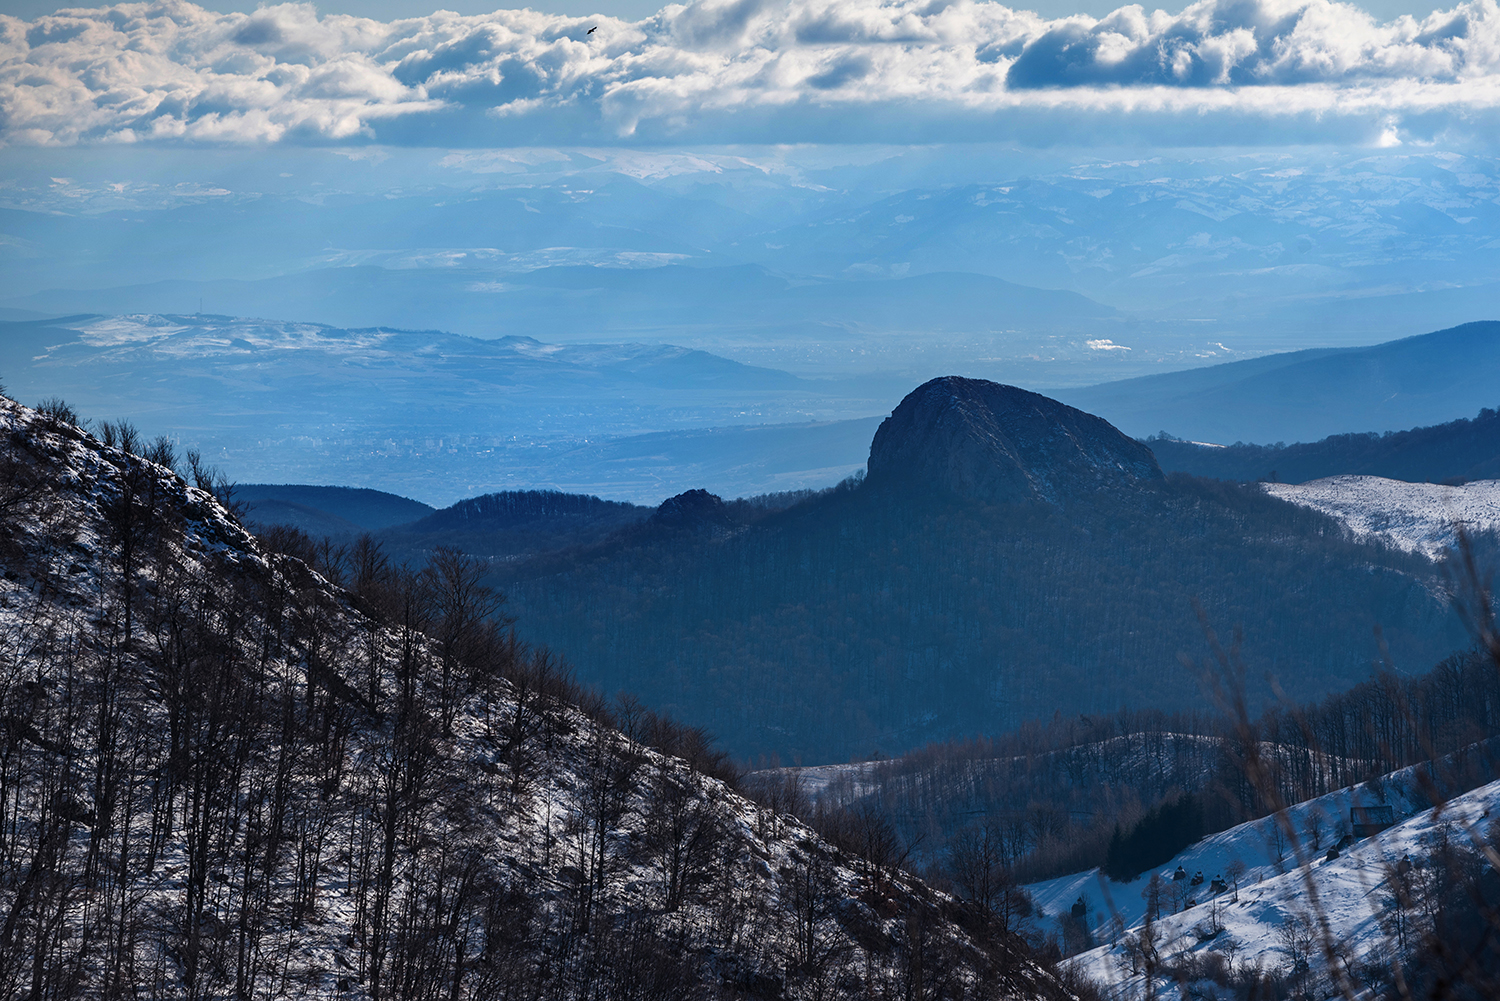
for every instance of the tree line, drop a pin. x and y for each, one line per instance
(1454, 452)
(1061, 789)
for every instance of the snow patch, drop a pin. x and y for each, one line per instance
(1415, 517)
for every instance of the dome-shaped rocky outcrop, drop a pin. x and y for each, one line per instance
(999, 444)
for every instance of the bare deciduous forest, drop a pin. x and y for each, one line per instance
(234, 769)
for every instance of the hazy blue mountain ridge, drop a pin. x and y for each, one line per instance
(360, 508)
(744, 306)
(1415, 381)
(1258, 251)
(426, 413)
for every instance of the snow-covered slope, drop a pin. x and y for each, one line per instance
(1414, 516)
(224, 776)
(1272, 874)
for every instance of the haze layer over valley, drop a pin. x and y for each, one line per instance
(1182, 256)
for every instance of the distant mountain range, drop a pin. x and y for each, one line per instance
(438, 415)
(441, 416)
(1307, 395)
(251, 365)
(1261, 253)
(829, 325)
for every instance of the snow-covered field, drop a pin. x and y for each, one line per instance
(1414, 516)
(1277, 883)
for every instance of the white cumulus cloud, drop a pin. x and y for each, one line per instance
(1222, 71)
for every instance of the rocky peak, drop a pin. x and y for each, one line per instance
(999, 444)
(692, 509)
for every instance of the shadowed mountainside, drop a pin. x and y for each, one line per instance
(347, 509)
(517, 522)
(883, 614)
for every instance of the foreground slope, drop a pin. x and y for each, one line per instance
(221, 775)
(1287, 879)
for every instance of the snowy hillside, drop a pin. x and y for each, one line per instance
(1262, 914)
(1413, 516)
(226, 776)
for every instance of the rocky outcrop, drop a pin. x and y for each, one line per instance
(1001, 445)
(693, 509)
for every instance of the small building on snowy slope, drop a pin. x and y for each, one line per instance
(1369, 820)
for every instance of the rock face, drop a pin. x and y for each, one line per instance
(1002, 445)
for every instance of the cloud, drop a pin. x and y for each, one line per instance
(752, 71)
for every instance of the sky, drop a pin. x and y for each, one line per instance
(1247, 72)
(634, 10)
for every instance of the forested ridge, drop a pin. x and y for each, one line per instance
(516, 522)
(242, 768)
(1059, 789)
(868, 619)
(1455, 452)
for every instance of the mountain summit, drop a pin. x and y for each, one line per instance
(1000, 444)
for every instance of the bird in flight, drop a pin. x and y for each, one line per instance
(592, 30)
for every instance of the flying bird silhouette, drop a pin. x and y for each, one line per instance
(592, 30)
